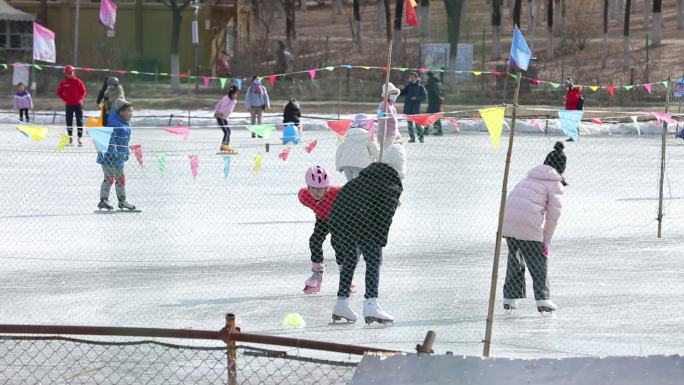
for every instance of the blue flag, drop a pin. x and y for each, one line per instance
(569, 121)
(520, 53)
(101, 136)
(238, 82)
(226, 166)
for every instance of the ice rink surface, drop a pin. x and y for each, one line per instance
(205, 247)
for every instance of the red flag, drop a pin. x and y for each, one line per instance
(284, 153)
(271, 79)
(411, 16)
(454, 123)
(340, 127)
(137, 150)
(611, 90)
(424, 119)
(309, 147)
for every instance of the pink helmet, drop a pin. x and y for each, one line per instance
(317, 177)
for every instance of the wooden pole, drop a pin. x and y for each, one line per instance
(663, 148)
(499, 231)
(383, 127)
(232, 352)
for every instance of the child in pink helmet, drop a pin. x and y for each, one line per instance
(319, 196)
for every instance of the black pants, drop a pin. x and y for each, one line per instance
(530, 253)
(223, 123)
(70, 112)
(346, 252)
(321, 230)
(23, 112)
(419, 130)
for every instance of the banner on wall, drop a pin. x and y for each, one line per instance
(44, 44)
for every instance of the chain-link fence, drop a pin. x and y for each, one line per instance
(43, 360)
(218, 233)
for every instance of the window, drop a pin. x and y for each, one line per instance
(16, 35)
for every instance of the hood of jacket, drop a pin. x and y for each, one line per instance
(544, 172)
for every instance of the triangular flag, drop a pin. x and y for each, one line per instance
(183, 131)
(339, 127)
(611, 90)
(330, 68)
(137, 151)
(636, 125)
(263, 130)
(569, 121)
(424, 119)
(284, 153)
(309, 147)
(161, 158)
(239, 83)
(410, 13)
(36, 66)
(63, 140)
(648, 87)
(494, 119)
(593, 88)
(226, 166)
(520, 53)
(597, 121)
(312, 74)
(665, 84)
(663, 117)
(403, 69)
(135, 72)
(629, 87)
(258, 158)
(536, 123)
(36, 133)
(223, 82)
(477, 73)
(371, 130)
(535, 81)
(513, 76)
(554, 85)
(365, 67)
(194, 165)
(108, 13)
(454, 123)
(101, 137)
(206, 80)
(43, 44)
(272, 80)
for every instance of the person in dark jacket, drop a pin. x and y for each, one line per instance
(117, 154)
(361, 217)
(414, 94)
(72, 91)
(435, 96)
(291, 112)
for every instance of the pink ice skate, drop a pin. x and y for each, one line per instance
(313, 284)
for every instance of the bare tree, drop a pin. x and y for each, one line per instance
(647, 14)
(517, 5)
(388, 20)
(549, 28)
(356, 24)
(454, 10)
(625, 39)
(336, 10)
(531, 22)
(397, 47)
(425, 17)
(497, 6)
(176, 8)
(657, 21)
(604, 51)
(680, 14)
(290, 29)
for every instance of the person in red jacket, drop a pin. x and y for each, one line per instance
(573, 99)
(72, 91)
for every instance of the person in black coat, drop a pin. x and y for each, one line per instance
(361, 217)
(414, 94)
(291, 112)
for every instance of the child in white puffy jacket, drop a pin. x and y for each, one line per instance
(358, 149)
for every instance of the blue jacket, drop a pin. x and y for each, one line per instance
(117, 152)
(412, 107)
(254, 99)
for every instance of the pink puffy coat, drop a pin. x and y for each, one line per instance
(534, 206)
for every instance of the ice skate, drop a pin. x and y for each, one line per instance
(71, 141)
(343, 311)
(226, 149)
(104, 204)
(510, 304)
(373, 313)
(545, 305)
(80, 143)
(125, 205)
(313, 284)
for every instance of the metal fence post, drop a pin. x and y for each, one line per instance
(232, 352)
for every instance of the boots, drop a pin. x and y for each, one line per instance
(125, 205)
(104, 204)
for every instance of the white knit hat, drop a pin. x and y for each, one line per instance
(393, 90)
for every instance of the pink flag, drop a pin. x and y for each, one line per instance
(535, 81)
(340, 127)
(597, 121)
(454, 123)
(206, 80)
(371, 130)
(663, 117)
(108, 13)
(183, 131)
(284, 153)
(312, 74)
(309, 147)
(611, 90)
(137, 150)
(194, 165)
(44, 44)
(536, 123)
(648, 87)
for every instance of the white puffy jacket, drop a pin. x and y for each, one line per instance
(357, 150)
(395, 156)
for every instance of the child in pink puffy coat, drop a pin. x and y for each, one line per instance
(530, 219)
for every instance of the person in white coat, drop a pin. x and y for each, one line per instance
(530, 219)
(358, 149)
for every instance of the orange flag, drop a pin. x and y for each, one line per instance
(340, 127)
(424, 119)
(410, 11)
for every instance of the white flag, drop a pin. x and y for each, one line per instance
(44, 44)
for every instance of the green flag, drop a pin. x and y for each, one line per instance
(223, 82)
(554, 85)
(628, 88)
(161, 158)
(263, 130)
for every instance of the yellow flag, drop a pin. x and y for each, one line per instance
(63, 140)
(413, 3)
(36, 133)
(365, 67)
(594, 88)
(477, 73)
(494, 119)
(258, 158)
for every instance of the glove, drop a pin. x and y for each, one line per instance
(546, 249)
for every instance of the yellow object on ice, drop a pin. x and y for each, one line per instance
(36, 133)
(63, 140)
(294, 320)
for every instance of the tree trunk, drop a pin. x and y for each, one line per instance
(175, 36)
(42, 13)
(621, 11)
(397, 47)
(290, 29)
(497, 6)
(657, 22)
(425, 18)
(549, 26)
(388, 20)
(336, 10)
(604, 53)
(356, 27)
(625, 44)
(556, 13)
(454, 11)
(509, 5)
(517, 10)
(680, 14)
(531, 23)
(613, 9)
(562, 13)
(645, 22)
